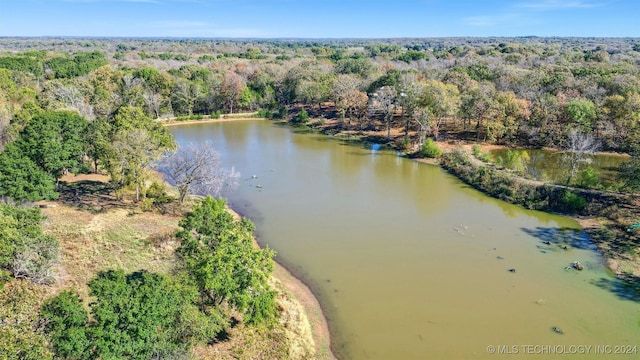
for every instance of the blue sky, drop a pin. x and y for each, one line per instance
(319, 19)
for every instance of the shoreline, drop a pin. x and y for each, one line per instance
(300, 291)
(313, 310)
(603, 229)
(305, 297)
(171, 122)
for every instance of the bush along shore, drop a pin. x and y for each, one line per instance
(604, 215)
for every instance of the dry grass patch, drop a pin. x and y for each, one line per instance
(98, 232)
(112, 239)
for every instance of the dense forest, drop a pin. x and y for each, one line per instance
(529, 91)
(534, 92)
(95, 106)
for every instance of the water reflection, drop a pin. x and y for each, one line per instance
(549, 165)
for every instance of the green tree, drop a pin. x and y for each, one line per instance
(136, 142)
(630, 172)
(97, 141)
(54, 141)
(67, 325)
(362, 67)
(129, 118)
(21, 336)
(130, 157)
(21, 179)
(140, 315)
(582, 113)
(442, 101)
(219, 254)
(25, 252)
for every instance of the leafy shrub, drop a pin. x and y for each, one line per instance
(212, 246)
(430, 149)
(140, 315)
(589, 178)
(571, 201)
(301, 118)
(66, 325)
(146, 204)
(21, 333)
(263, 113)
(155, 197)
(480, 155)
(157, 192)
(516, 160)
(24, 250)
(190, 117)
(282, 112)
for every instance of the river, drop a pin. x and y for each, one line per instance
(410, 263)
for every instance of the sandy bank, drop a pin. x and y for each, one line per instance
(205, 121)
(294, 294)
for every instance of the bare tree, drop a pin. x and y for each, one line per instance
(355, 102)
(411, 87)
(37, 261)
(343, 85)
(197, 169)
(384, 100)
(579, 150)
(153, 100)
(131, 90)
(422, 117)
(70, 97)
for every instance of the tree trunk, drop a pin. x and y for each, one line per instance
(406, 129)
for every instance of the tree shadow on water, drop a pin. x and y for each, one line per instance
(626, 288)
(562, 237)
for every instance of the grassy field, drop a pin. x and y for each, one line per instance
(99, 232)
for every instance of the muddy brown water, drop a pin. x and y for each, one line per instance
(410, 263)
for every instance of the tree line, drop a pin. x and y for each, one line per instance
(530, 91)
(91, 105)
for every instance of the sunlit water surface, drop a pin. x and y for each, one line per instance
(410, 263)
